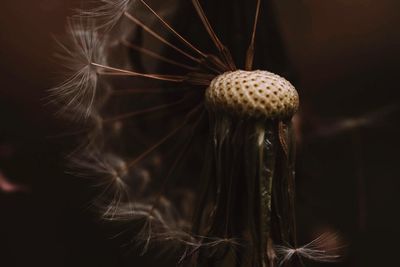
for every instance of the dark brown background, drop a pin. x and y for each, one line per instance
(345, 57)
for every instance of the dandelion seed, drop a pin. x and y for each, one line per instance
(317, 250)
(77, 94)
(109, 172)
(107, 14)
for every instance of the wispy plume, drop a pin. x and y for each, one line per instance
(325, 248)
(78, 92)
(158, 225)
(109, 173)
(107, 13)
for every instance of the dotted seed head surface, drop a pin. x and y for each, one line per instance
(253, 93)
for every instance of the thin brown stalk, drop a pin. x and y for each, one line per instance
(250, 50)
(165, 138)
(178, 158)
(200, 78)
(156, 56)
(221, 48)
(124, 92)
(143, 111)
(180, 37)
(121, 72)
(158, 37)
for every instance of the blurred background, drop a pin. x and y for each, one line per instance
(345, 58)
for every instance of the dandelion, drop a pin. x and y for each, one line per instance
(241, 208)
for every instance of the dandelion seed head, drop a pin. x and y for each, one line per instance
(253, 93)
(126, 182)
